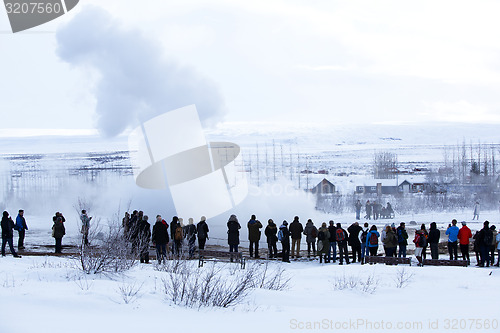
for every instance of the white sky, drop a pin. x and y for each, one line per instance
(294, 61)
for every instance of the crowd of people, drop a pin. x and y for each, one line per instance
(325, 241)
(138, 231)
(364, 240)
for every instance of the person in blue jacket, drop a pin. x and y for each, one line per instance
(452, 233)
(372, 240)
(21, 227)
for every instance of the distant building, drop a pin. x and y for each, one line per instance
(379, 186)
(390, 186)
(323, 187)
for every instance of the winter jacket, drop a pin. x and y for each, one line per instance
(498, 241)
(368, 244)
(285, 235)
(354, 231)
(476, 209)
(332, 230)
(464, 234)
(254, 230)
(58, 230)
(494, 241)
(391, 239)
(485, 237)
(144, 231)
(21, 223)
(202, 229)
(434, 234)
(311, 232)
(85, 221)
(476, 242)
(383, 233)
(402, 236)
(233, 233)
(452, 233)
(7, 226)
(323, 245)
(173, 226)
(368, 208)
(160, 233)
(296, 229)
(191, 232)
(271, 233)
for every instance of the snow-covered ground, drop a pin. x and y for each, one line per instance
(49, 294)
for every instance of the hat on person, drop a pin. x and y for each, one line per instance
(464, 223)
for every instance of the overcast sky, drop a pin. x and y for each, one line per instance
(294, 61)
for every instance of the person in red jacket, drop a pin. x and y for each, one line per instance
(464, 234)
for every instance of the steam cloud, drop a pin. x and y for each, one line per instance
(136, 82)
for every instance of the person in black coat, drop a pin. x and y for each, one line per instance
(270, 232)
(485, 238)
(160, 238)
(134, 230)
(191, 236)
(296, 230)
(176, 244)
(284, 237)
(58, 232)
(233, 233)
(8, 234)
(354, 230)
(332, 229)
(433, 240)
(144, 237)
(132, 224)
(202, 230)
(341, 236)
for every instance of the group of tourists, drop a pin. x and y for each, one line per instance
(8, 227)
(364, 240)
(324, 241)
(137, 230)
(374, 210)
(485, 242)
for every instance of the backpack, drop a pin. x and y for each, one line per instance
(421, 241)
(363, 236)
(280, 235)
(340, 235)
(373, 239)
(321, 235)
(178, 233)
(314, 232)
